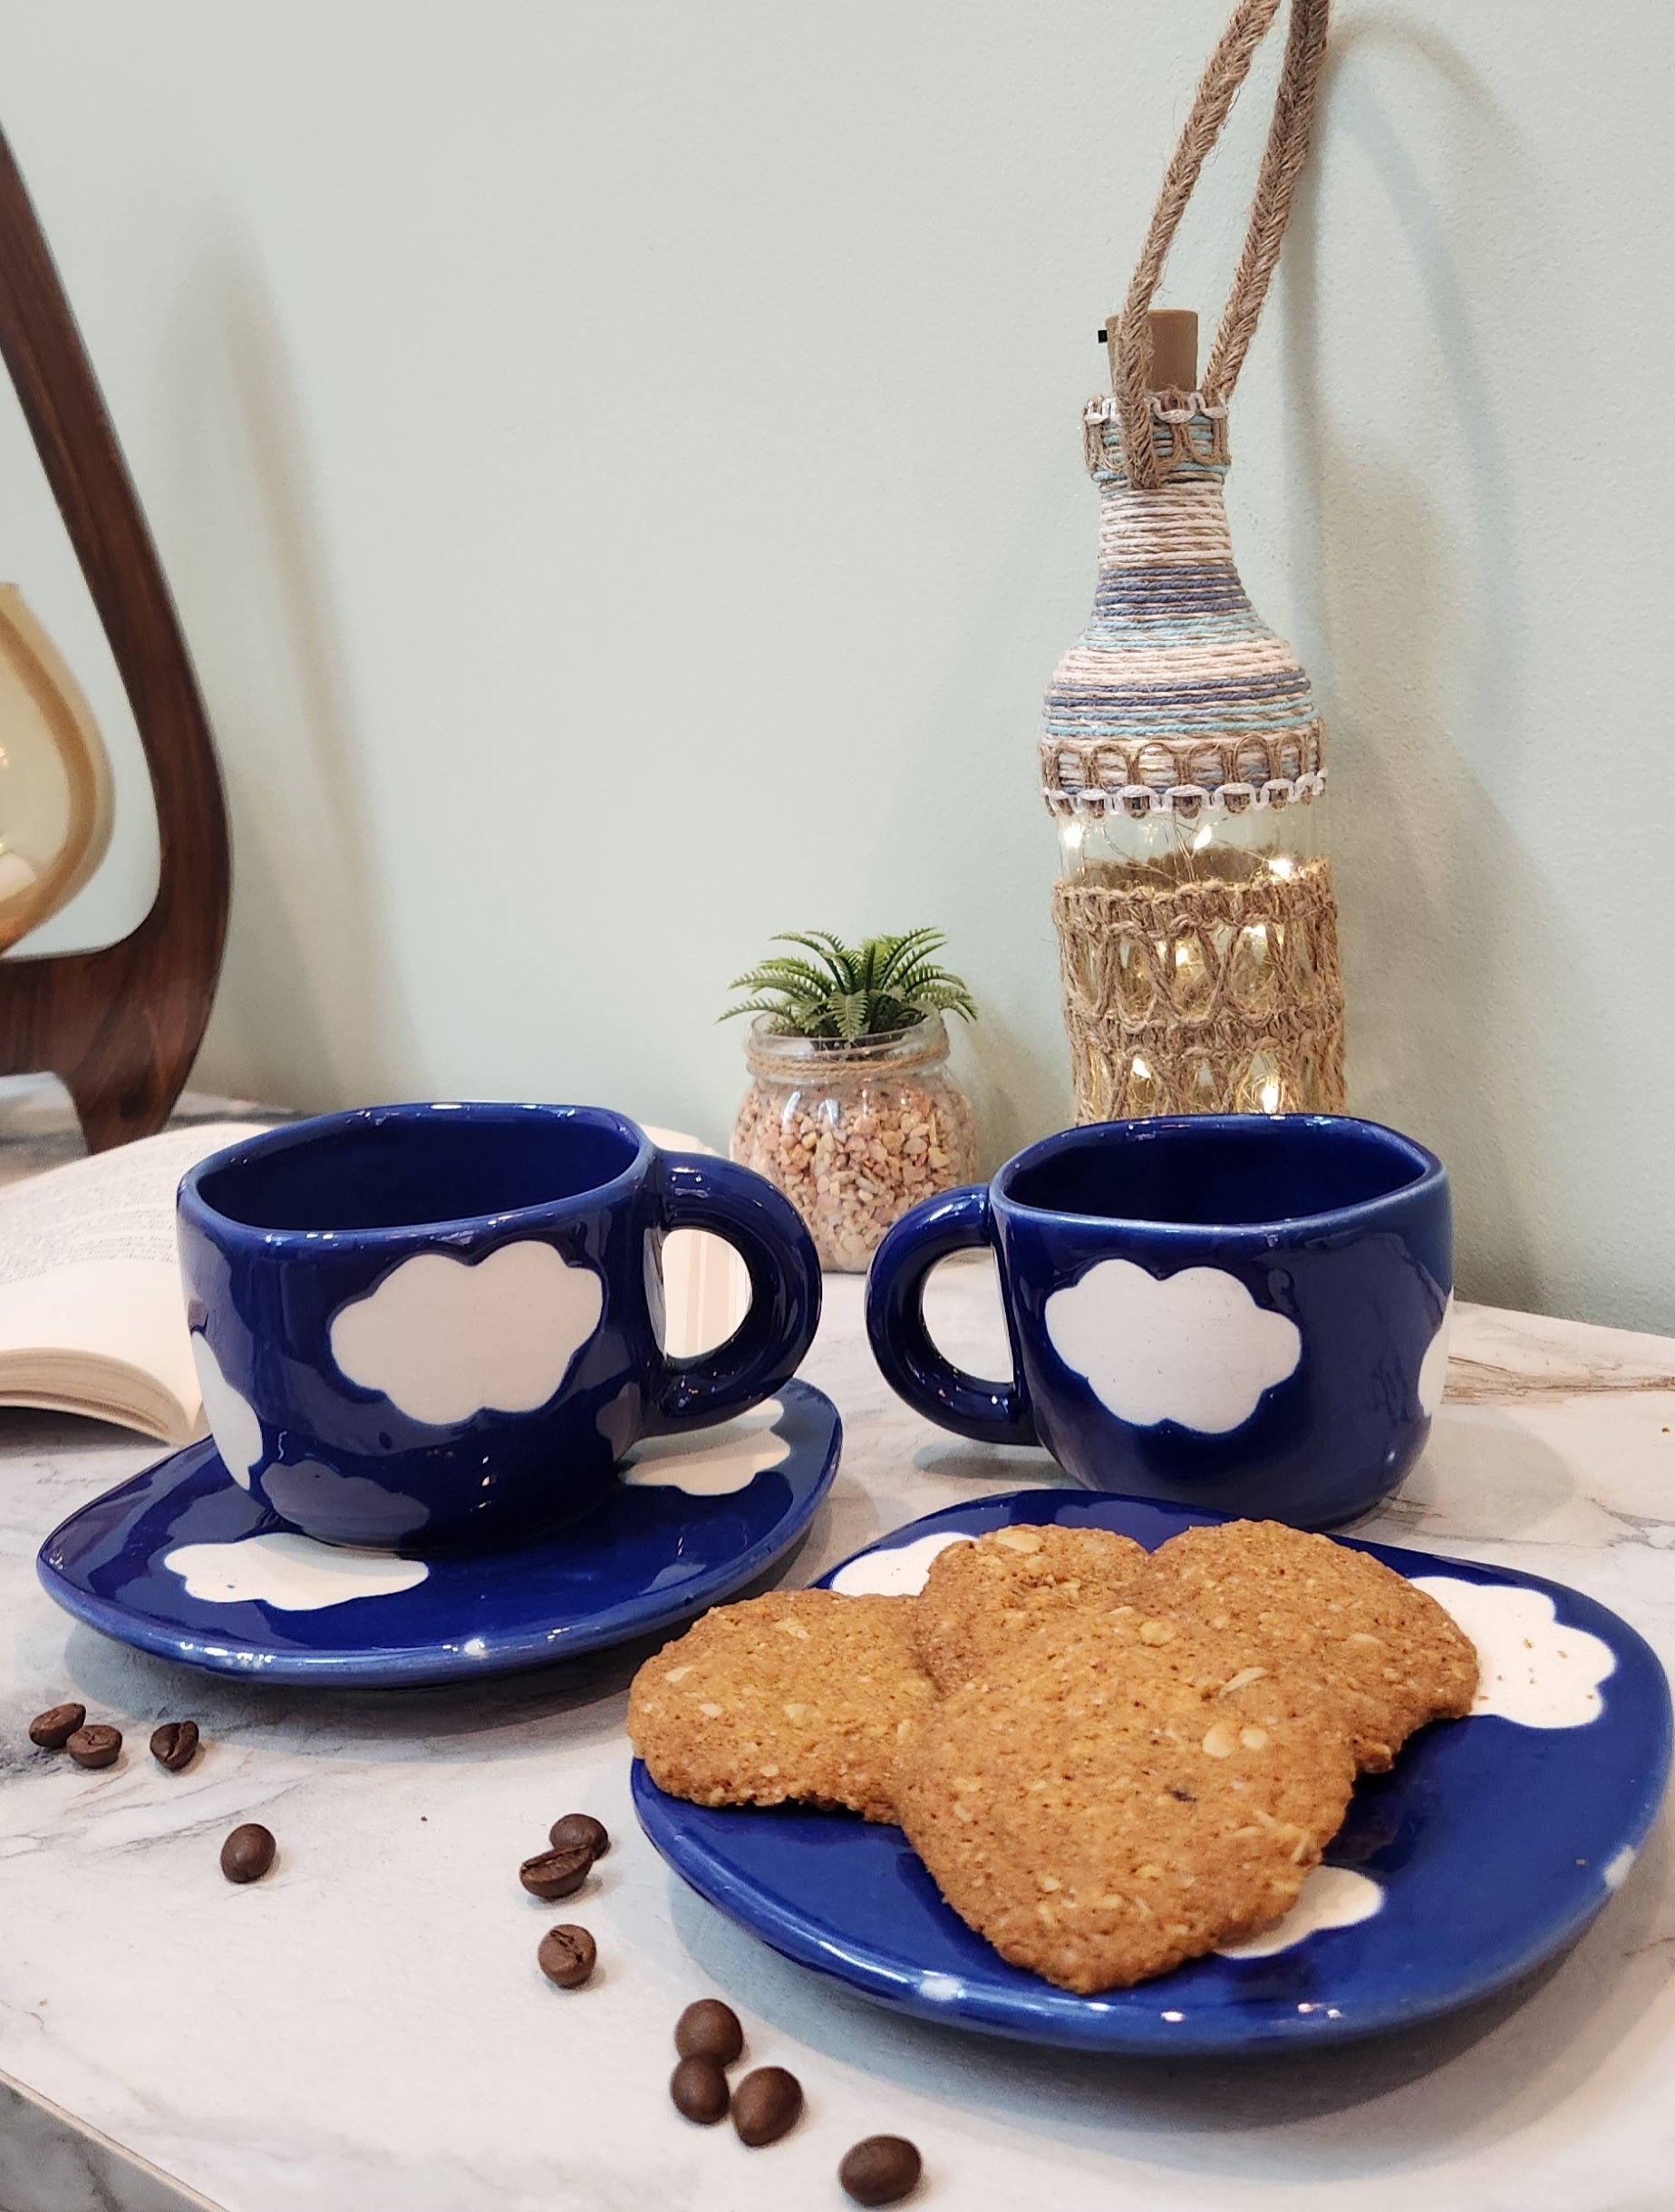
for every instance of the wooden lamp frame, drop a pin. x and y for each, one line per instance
(121, 1025)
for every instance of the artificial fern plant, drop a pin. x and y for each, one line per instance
(848, 992)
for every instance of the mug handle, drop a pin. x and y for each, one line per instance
(697, 1192)
(959, 1221)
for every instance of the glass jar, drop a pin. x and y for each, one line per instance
(855, 1134)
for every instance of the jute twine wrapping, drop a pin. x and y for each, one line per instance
(1259, 998)
(820, 1062)
(1282, 164)
(1178, 700)
(1177, 697)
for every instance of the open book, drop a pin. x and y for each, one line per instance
(92, 1317)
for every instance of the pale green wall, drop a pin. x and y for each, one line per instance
(619, 468)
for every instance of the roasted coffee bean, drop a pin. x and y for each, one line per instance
(766, 2105)
(881, 2170)
(567, 1956)
(174, 1745)
(53, 1729)
(95, 1745)
(554, 1873)
(248, 1853)
(580, 1831)
(708, 2029)
(699, 2088)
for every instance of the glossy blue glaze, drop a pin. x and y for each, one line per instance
(284, 1232)
(638, 1560)
(1491, 1842)
(1342, 1226)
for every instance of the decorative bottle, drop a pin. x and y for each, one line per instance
(1184, 759)
(1182, 753)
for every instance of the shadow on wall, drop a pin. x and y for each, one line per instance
(1454, 945)
(310, 1011)
(1014, 1061)
(1018, 1096)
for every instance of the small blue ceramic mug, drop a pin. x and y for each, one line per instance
(1243, 1312)
(413, 1323)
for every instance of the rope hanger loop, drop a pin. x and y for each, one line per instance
(1283, 158)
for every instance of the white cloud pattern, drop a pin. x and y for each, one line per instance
(289, 1573)
(354, 1509)
(1434, 1366)
(942, 1988)
(711, 1462)
(898, 1571)
(233, 1423)
(1534, 1670)
(1195, 1348)
(444, 1338)
(1330, 1897)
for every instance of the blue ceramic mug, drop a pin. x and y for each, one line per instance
(1243, 1312)
(415, 1322)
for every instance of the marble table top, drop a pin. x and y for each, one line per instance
(367, 2028)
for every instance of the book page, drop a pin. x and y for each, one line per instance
(88, 1274)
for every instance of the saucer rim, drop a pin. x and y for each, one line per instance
(1054, 2018)
(414, 1666)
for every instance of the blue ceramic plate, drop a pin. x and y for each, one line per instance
(184, 1563)
(1492, 1845)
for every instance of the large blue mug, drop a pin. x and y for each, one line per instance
(413, 1323)
(1243, 1312)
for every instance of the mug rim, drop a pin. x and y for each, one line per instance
(1432, 1176)
(286, 1136)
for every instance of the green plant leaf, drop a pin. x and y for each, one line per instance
(847, 991)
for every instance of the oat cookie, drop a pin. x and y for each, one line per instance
(1386, 1653)
(1100, 1816)
(801, 1694)
(979, 1597)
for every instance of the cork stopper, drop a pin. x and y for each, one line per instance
(1173, 335)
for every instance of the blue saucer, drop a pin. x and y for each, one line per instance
(182, 1562)
(1489, 1848)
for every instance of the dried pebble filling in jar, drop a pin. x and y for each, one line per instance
(855, 1134)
